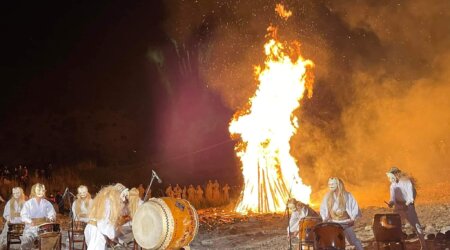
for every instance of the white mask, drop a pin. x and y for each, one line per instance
(292, 207)
(332, 184)
(124, 194)
(391, 177)
(40, 192)
(82, 192)
(16, 193)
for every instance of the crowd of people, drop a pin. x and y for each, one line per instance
(21, 174)
(212, 195)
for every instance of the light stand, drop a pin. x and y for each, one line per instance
(154, 175)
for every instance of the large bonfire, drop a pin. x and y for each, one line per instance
(265, 127)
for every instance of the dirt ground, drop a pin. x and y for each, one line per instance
(227, 230)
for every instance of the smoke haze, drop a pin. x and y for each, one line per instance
(382, 85)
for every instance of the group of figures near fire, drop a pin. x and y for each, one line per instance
(339, 210)
(101, 222)
(118, 216)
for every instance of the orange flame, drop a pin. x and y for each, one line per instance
(271, 174)
(282, 12)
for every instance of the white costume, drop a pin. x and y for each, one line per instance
(299, 214)
(98, 229)
(38, 212)
(402, 194)
(85, 207)
(10, 217)
(95, 234)
(342, 215)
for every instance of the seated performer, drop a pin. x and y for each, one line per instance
(299, 210)
(340, 206)
(12, 212)
(124, 232)
(36, 211)
(82, 205)
(104, 215)
(402, 196)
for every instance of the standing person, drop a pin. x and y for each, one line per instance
(216, 192)
(177, 191)
(402, 197)
(169, 191)
(12, 212)
(184, 193)
(191, 194)
(340, 206)
(199, 196)
(209, 191)
(82, 205)
(141, 190)
(36, 211)
(226, 193)
(299, 210)
(105, 213)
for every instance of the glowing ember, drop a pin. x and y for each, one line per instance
(270, 173)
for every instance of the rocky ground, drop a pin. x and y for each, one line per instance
(227, 230)
(221, 230)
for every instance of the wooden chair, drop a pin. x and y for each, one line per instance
(48, 236)
(13, 235)
(387, 229)
(76, 236)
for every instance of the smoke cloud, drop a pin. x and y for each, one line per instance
(382, 81)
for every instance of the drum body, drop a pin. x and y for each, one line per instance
(306, 225)
(16, 228)
(165, 223)
(48, 228)
(329, 236)
(387, 227)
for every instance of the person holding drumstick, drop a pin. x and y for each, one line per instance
(12, 212)
(340, 206)
(36, 211)
(104, 216)
(82, 205)
(299, 210)
(402, 196)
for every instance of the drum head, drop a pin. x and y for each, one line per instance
(153, 225)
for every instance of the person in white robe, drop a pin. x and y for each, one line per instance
(11, 213)
(124, 232)
(104, 215)
(82, 205)
(340, 206)
(36, 211)
(299, 210)
(402, 197)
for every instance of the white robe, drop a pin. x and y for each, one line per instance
(402, 192)
(33, 210)
(85, 208)
(353, 211)
(7, 212)
(95, 235)
(296, 216)
(351, 206)
(8, 218)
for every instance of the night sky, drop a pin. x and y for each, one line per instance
(79, 85)
(153, 85)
